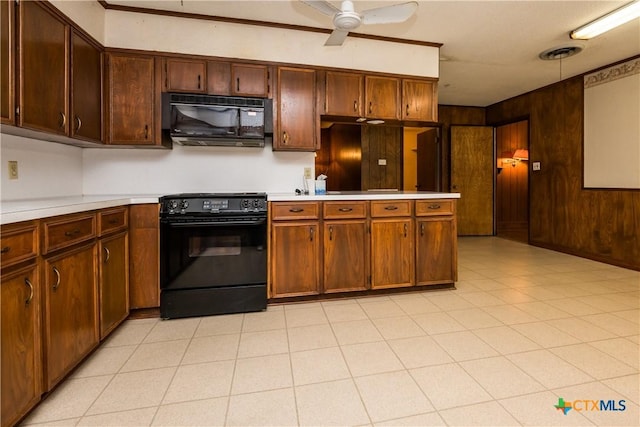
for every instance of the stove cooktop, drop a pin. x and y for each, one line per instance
(213, 203)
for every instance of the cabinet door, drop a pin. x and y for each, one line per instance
(114, 282)
(382, 97)
(44, 69)
(419, 100)
(218, 78)
(297, 122)
(144, 253)
(295, 259)
(131, 99)
(345, 256)
(86, 95)
(435, 250)
(71, 315)
(344, 94)
(21, 351)
(181, 75)
(392, 256)
(7, 64)
(249, 80)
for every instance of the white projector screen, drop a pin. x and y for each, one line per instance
(612, 127)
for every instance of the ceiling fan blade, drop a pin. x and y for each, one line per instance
(389, 14)
(336, 38)
(322, 6)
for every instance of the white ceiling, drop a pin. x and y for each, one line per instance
(489, 48)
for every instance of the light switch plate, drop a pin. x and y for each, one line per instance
(382, 162)
(307, 173)
(535, 166)
(13, 169)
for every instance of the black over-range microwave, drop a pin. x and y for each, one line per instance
(209, 120)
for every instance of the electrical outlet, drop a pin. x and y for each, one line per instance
(13, 169)
(307, 173)
(536, 166)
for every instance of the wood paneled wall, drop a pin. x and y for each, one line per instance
(339, 157)
(598, 224)
(381, 143)
(455, 115)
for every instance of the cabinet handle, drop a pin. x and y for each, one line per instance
(72, 233)
(198, 81)
(422, 229)
(405, 230)
(63, 120)
(146, 131)
(107, 253)
(391, 208)
(296, 210)
(238, 84)
(78, 122)
(345, 209)
(5, 250)
(166, 76)
(434, 206)
(355, 106)
(285, 137)
(370, 107)
(407, 114)
(331, 233)
(311, 234)
(30, 297)
(55, 286)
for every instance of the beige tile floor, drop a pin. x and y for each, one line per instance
(524, 327)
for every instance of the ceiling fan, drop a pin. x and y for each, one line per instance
(347, 19)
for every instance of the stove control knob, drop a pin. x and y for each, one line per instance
(246, 203)
(256, 203)
(184, 204)
(172, 204)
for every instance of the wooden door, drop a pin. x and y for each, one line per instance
(86, 94)
(71, 312)
(472, 172)
(114, 282)
(181, 75)
(435, 250)
(7, 62)
(131, 99)
(381, 157)
(295, 259)
(419, 100)
(428, 168)
(249, 80)
(21, 351)
(297, 121)
(343, 96)
(144, 253)
(382, 97)
(392, 255)
(44, 87)
(345, 256)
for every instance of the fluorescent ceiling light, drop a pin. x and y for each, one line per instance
(608, 22)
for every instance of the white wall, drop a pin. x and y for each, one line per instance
(45, 169)
(88, 14)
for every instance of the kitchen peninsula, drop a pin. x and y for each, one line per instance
(360, 242)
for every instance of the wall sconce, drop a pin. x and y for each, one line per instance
(509, 158)
(521, 154)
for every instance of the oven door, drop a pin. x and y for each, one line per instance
(198, 255)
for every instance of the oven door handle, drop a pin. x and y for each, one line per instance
(214, 223)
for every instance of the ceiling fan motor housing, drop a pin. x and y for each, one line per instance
(347, 20)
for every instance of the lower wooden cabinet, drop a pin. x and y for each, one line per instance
(435, 251)
(144, 250)
(114, 282)
(21, 350)
(296, 258)
(392, 257)
(71, 312)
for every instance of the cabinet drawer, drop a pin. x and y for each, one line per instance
(295, 210)
(19, 243)
(434, 207)
(65, 231)
(384, 208)
(110, 220)
(338, 210)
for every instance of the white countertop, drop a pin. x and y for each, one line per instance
(361, 195)
(25, 210)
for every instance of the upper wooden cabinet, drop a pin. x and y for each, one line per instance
(7, 62)
(419, 100)
(184, 75)
(86, 89)
(232, 79)
(297, 122)
(44, 88)
(343, 94)
(382, 97)
(133, 99)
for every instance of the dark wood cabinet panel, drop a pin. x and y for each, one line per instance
(21, 349)
(249, 80)
(435, 250)
(295, 259)
(392, 253)
(144, 255)
(419, 100)
(71, 311)
(343, 94)
(183, 75)
(7, 62)
(44, 41)
(132, 98)
(219, 78)
(114, 282)
(346, 260)
(86, 92)
(382, 97)
(297, 121)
